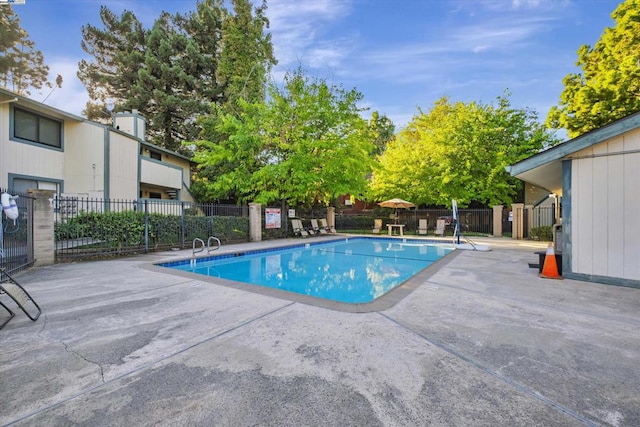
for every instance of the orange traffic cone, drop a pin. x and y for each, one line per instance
(550, 266)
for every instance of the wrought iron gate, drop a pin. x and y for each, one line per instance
(16, 237)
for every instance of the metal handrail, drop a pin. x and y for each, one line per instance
(194, 246)
(209, 248)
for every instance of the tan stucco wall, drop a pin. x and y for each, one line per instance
(85, 149)
(123, 165)
(26, 159)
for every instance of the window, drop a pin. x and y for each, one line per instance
(155, 155)
(33, 127)
(153, 195)
(21, 185)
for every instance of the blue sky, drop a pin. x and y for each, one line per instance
(400, 54)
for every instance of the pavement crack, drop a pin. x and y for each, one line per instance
(478, 365)
(142, 367)
(86, 359)
(44, 324)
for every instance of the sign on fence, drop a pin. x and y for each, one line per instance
(272, 218)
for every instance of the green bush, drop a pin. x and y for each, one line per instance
(114, 229)
(122, 229)
(544, 233)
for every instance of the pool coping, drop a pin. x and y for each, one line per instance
(383, 302)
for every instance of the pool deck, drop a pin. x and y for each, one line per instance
(481, 341)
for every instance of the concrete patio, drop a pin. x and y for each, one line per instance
(482, 341)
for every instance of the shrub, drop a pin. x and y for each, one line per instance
(544, 233)
(121, 229)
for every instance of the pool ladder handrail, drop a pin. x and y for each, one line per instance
(209, 240)
(194, 251)
(210, 247)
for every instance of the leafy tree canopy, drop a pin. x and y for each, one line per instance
(307, 144)
(459, 151)
(609, 86)
(21, 65)
(383, 131)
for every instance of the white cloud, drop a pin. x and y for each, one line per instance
(298, 31)
(72, 96)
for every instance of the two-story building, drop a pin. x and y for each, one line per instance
(42, 147)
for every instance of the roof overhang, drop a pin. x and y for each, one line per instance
(547, 176)
(8, 96)
(545, 168)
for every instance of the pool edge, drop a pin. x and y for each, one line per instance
(383, 302)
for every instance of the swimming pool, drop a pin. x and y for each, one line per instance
(352, 270)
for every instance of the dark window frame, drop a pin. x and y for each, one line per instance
(40, 119)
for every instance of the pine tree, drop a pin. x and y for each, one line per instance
(247, 53)
(118, 54)
(173, 72)
(204, 28)
(165, 91)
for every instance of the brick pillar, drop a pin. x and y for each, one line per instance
(331, 217)
(43, 222)
(497, 221)
(518, 221)
(255, 222)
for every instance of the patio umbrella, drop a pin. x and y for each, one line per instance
(396, 204)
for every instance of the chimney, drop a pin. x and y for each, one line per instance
(130, 122)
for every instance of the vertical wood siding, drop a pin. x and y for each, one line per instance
(606, 208)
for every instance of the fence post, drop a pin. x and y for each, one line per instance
(43, 227)
(518, 221)
(255, 222)
(331, 217)
(497, 221)
(146, 227)
(182, 226)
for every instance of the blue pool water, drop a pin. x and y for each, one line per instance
(354, 270)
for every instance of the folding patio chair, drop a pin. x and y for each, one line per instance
(19, 295)
(422, 226)
(11, 314)
(316, 228)
(324, 224)
(298, 229)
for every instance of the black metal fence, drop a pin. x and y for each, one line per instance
(16, 237)
(472, 221)
(276, 221)
(543, 216)
(88, 228)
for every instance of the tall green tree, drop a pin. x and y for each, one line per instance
(164, 90)
(204, 28)
(117, 52)
(246, 55)
(609, 86)
(172, 72)
(21, 65)
(306, 145)
(383, 131)
(459, 151)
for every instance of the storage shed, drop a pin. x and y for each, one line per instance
(597, 179)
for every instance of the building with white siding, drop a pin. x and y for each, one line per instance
(597, 178)
(42, 147)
